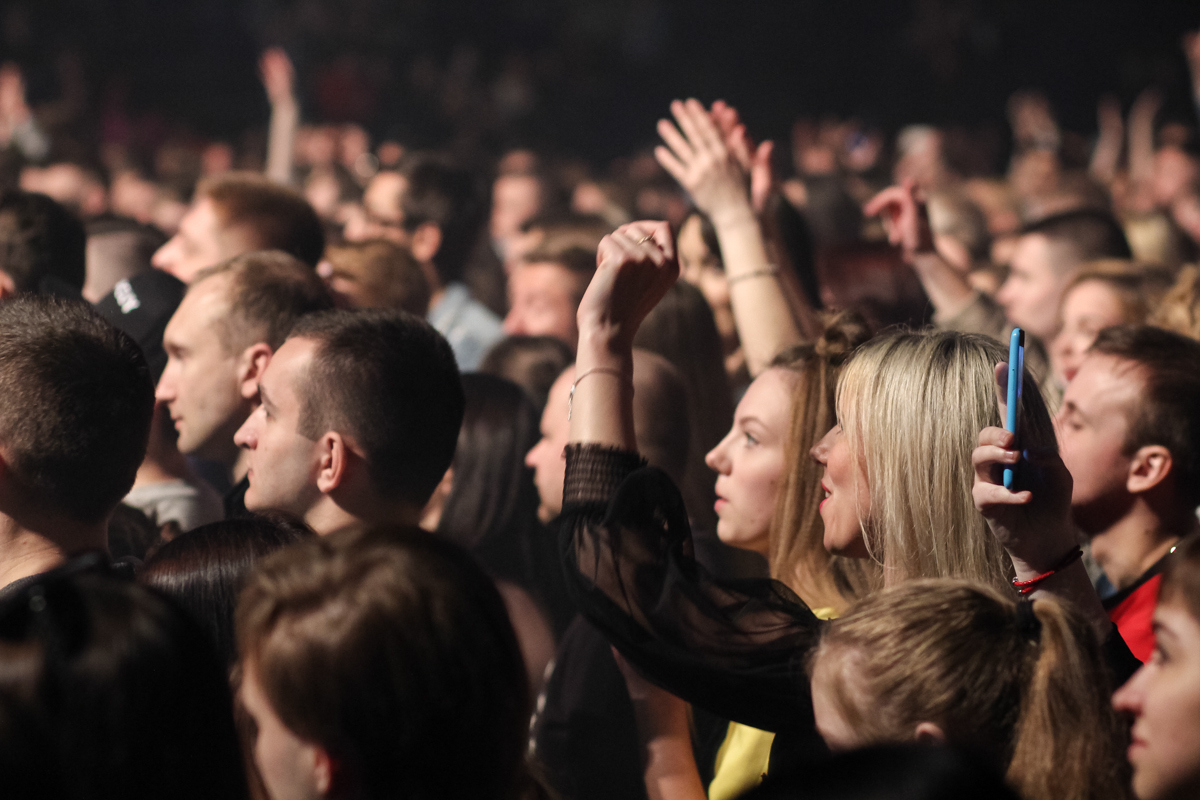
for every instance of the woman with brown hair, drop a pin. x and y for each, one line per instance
(947, 661)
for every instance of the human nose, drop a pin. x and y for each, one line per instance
(820, 450)
(531, 460)
(164, 392)
(513, 324)
(1128, 699)
(165, 256)
(247, 435)
(717, 459)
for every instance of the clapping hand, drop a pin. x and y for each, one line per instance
(697, 155)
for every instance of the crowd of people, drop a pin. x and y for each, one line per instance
(374, 474)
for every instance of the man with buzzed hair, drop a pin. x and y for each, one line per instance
(238, 213)
(220, 339)
(359, 421)
(87, 388)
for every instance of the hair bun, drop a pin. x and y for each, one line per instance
(844, 333)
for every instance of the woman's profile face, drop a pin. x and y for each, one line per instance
(750, 461)
(1164, 699)
(846, 495)
(1086, 310)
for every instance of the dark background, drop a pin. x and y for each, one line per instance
(598, 72)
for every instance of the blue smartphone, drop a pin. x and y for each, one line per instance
(1016, 379)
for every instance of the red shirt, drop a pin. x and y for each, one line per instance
(1132, 612)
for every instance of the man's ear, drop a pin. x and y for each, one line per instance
(929, 733)
(1148, 467)
(250, 367)
(8, 286)
(426, 241)
(335, 461)
(325, 771)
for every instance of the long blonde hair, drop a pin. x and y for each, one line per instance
(911, 406)
(797, 548)
(1027, 686)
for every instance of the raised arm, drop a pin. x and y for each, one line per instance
(697, 156)
(1106, 155)
(907, 225)
(736, 649)
(17, 125)
(278, 79)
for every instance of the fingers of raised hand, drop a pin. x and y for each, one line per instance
(988, 496)
(698, 126)
(987, 458)
(890, 201)
(680, 147)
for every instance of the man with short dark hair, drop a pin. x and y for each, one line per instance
(1129, 429)
(232, 319)
(74, 420)
(1048, 254)
(239, 213)
(544, 293)
(41, 246)
(435, 211)
(359, 421)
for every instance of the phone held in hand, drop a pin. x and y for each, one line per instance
(1016, 379)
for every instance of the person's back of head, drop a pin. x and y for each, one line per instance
(42, 246)
(388, 655)
(269, 216)
(449, 198)
(390, 381)
(204, 571)
(268, 291)
(76, 412)
(378, 273)
(110, 692)
(1081, 235)
(117, 249)
(1022, 683)
(492, 500)
(1168, 411)
(661, 416)
(531, 362)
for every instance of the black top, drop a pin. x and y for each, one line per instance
(736, 648)
(586, 733)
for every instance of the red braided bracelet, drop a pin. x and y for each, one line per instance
(1027, 587)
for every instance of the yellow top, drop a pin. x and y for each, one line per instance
(745, 754)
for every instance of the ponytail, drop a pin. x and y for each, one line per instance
(1021, 682)
(1066, 694)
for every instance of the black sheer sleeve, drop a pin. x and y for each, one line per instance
(735, 648)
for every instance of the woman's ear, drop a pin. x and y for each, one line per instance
(929, 733)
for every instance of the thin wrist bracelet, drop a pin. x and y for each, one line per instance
(608, 370)
(771, 272)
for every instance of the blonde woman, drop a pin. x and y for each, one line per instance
(949, 661)
(899, 479)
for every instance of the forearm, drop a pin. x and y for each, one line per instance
(602, 400)
(285, 118)
(670, 765)
(946, 287)
(764, 319)
(797, 267)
